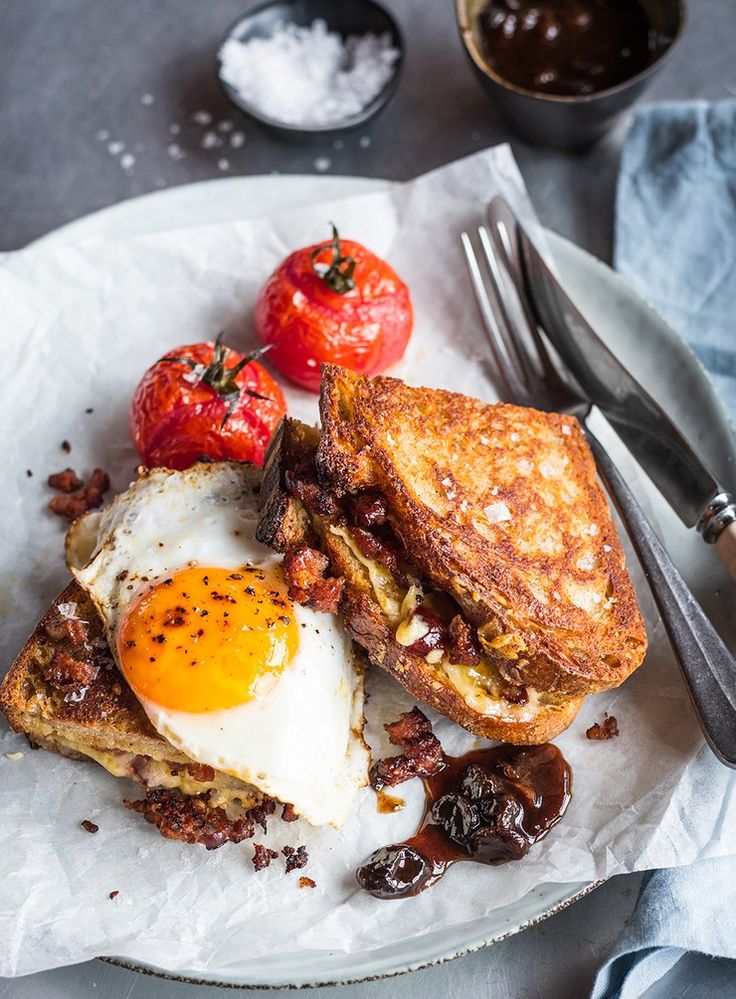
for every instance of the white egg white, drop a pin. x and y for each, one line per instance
(300, 738)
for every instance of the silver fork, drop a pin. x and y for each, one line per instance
(529, 375)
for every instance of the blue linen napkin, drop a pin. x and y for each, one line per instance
(676, 245)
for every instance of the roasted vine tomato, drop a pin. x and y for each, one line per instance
(334, 302)
(205, 401)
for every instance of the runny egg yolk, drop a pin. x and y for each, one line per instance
(209, 639)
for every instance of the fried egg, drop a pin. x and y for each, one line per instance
(226, 666)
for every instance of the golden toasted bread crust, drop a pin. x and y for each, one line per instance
(499, 506)
(368, 626)
(108, 705)
(100, 716)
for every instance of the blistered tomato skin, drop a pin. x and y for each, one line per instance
(308, 323)
(176, 417)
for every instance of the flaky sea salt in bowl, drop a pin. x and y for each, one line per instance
(312, 67)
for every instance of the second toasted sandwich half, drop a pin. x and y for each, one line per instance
(468, 544)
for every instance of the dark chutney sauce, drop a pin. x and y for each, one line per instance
(490, 806)
(570, 48)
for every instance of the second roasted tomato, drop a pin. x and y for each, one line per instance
(205, 400)
(336, 302)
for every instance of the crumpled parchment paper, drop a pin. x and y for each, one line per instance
(80, 325)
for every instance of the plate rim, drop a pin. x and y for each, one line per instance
(90, 226)
(154, 971)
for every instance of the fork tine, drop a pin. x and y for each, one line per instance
(503, 291)
(504, 225)
(512, 384)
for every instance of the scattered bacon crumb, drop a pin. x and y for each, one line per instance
(64, 672)
(66, 482)
(60, 629)
(421, 751)
(607, 730)
(88, 826)
(305, 882)
(305, 570)
(113, 894)
(464, 644)
(288, 814)
(73, 505)
(66, 447)
(190, 818)
(201, 772)
(262, 856)
(296, 858)
(259, 813)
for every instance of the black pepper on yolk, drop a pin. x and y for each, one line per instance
(203, 639)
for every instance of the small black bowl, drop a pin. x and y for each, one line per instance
(356, 17)
(568, 122)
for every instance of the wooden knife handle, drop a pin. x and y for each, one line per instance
(726, 548)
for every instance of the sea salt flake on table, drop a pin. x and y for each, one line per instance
(115, 148)
(237, 139)
(211, 140)
(322, 164)
(308, 75)
(147, 99)
(203, 118)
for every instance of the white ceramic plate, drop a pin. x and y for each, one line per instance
(641, 339)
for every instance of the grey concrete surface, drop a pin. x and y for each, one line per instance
(79, 77)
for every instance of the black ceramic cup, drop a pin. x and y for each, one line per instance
(568, 122)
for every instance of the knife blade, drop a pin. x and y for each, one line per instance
(646, 429)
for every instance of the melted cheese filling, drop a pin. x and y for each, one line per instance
(478, 686)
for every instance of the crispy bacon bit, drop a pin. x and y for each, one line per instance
(608, 729)
(66, 482)
(113, 894)
(464, 644)
(60, 629)
(259, 813)
(288, 814)
(64, 672)
(73, 505)
(435, 637)
(305, 570)
(369, 509)
(66, 447)
(305, 882)
(262, 856)
(89, 826)
(190, 818)
(296, 858)
(302, 483)
(515, 694)
(201, 772)
(421, 754)
(376, 548)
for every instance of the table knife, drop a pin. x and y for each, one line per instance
(691, 489)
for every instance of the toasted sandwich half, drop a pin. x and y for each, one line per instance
(66, 693)
(472, 547)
